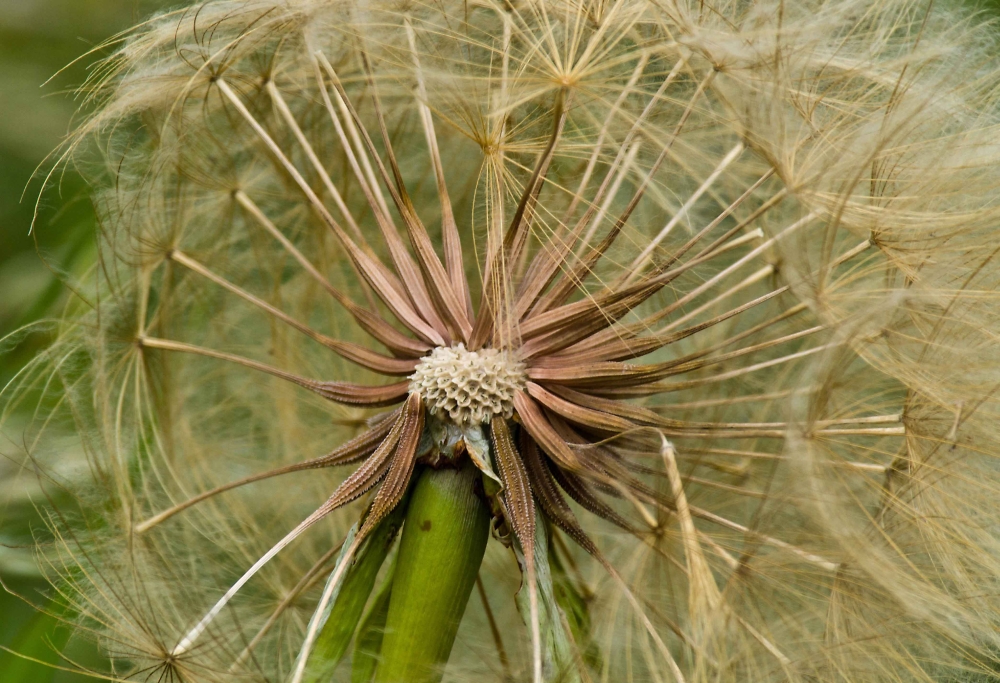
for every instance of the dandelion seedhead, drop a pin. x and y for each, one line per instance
(704, 294)
(469, 387)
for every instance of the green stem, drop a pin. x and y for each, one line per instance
(444, 539)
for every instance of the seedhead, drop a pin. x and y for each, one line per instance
(468, 387)
(690, 305)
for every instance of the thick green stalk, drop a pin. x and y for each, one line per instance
(444, 539)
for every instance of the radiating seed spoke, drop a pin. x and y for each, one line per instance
(309, 579)
(374, 272)
(362, 480)
(352, 352)
(369, 321)
(351, 451)
(339, 392)
(647, 253)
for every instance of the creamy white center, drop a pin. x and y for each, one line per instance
(469, 387)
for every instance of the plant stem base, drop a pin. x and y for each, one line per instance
(444, 539)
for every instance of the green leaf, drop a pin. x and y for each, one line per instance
(559, 650)
(574, 601)
(36, 639)
(368, 644)
(349, 598)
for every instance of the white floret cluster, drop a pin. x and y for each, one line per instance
(469, 387)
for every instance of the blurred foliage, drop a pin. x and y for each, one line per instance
(37, 39)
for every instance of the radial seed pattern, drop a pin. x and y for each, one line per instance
(671, 263)
(468, 387)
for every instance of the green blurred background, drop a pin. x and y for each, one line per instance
(37, 38)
